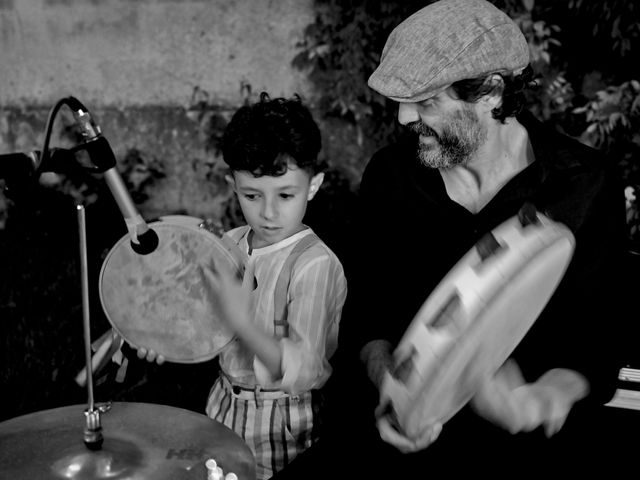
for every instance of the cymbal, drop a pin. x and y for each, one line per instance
(141, 441)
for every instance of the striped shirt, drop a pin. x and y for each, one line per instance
(315, 299)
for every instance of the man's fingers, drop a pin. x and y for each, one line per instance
(390, 435)
(493, 402)
(511, 374)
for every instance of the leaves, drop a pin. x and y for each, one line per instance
(581, 51)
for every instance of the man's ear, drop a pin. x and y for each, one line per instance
(494, 99)
(314, 184)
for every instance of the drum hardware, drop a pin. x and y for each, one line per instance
(107, 348)
(135, 441)
(93, 426)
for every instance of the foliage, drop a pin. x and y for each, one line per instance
(583, 54)
(613, 119)
(140, 171)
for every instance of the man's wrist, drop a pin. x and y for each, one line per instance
(567, 384)
(378, 360)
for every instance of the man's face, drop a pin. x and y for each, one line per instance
(449, 130)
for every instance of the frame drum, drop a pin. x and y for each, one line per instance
(157, 301)
(474, 319)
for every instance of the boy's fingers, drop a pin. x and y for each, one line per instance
(151, 355)
(209, 276)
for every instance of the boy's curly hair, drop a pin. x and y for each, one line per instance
(263, 137)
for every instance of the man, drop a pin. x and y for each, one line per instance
(458, 69)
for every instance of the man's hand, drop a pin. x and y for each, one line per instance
(391, 433)
(509, 402)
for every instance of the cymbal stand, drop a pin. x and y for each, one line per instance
(93, 427)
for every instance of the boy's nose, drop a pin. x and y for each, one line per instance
(269, 210)
(407, 113)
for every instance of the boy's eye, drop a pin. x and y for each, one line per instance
(286, 196)
(250, 196)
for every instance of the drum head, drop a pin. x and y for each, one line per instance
(474, 320)
(157, 301)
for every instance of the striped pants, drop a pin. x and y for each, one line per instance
(275, 425)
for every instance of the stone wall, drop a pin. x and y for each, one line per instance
(161, 77)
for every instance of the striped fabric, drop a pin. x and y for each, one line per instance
(315, 298)
(279, 424)
(275, 426)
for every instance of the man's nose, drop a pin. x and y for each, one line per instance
(407, 113)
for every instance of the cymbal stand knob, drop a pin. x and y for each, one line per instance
(93, 429)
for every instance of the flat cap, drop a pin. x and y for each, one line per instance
(444, 42)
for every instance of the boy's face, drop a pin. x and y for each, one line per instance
(274, 206)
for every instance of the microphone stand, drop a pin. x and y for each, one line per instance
(143, 239)
(93, 426)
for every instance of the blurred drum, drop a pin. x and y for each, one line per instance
(157, 301)
(474, 319)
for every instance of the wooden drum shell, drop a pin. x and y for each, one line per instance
(474, 319)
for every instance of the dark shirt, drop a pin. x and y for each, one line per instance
(410, 234)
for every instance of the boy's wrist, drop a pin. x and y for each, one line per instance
(240, 322)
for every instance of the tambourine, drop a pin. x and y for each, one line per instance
(157, 301)
(474, 319)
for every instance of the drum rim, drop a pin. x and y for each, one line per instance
(560, 232)
(173, 221)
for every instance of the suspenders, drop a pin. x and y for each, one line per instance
(280, 323)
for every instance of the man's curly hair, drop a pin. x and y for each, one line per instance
(262, 138)
(512, 89)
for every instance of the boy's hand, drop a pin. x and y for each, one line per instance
(230, 297)
(149, 355)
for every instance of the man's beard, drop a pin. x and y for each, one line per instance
(461, 137)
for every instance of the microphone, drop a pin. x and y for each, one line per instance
(144, 240)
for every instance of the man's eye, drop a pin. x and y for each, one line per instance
(286, 196)
(250, 196)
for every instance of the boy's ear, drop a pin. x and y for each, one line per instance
(314, 184)
(231, 181)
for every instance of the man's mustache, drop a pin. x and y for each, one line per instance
(422, 128)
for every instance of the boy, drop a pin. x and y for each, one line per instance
(286, 329)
